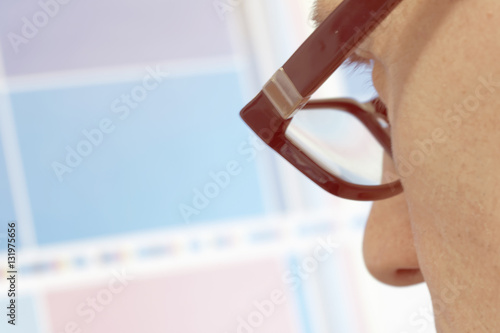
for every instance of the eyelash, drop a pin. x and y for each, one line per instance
(355, 59)
(356, 62)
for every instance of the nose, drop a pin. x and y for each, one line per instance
(388, 247)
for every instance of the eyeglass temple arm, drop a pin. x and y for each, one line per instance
(332, 42)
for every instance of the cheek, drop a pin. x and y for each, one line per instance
(445, 100)
(422, 147)
(445, 151)
(425, 178)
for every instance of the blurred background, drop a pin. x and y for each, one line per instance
(143, 203)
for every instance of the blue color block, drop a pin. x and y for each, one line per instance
(157, 153)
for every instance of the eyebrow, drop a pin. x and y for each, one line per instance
(317, 13)
(322, 8)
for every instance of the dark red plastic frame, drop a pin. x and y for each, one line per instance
(308, 68)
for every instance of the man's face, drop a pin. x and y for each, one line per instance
(436, 68)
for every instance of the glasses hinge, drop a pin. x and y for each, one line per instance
(283, 94)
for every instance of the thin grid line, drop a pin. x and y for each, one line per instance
(109, 75)
(17, 180)
(14, 166)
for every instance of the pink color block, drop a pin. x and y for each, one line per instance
(208, 301)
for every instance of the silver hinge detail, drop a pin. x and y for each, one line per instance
(283, 94)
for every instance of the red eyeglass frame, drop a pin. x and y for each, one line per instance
(289, 90)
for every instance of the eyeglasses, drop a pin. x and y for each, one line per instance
(313, 139)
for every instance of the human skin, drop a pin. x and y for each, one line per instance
(437, 69)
